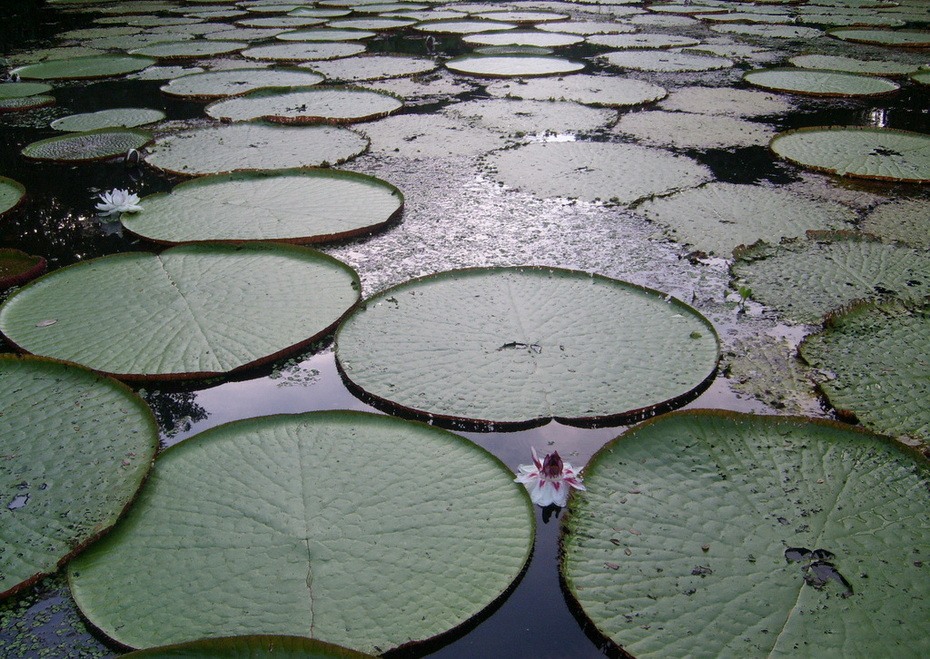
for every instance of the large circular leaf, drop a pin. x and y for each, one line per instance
(173, 50)
(876, 357)
(229, 148)
(11, 193)
(89, 145)
(717, 534)
(91, 66)
(190, 311)
(521, 346)
(875, 153)
(357, 529)
(232, 82)
(816, 82)
(111, 118)
(507, 66)
(317, 104)
(10, 90)
(588, 89)
(658, 60)
(251, 647)
(296, 205)
(75, 449)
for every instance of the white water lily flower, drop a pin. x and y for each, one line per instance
(118, 201)
(549, 480)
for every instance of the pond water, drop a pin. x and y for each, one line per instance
(456, 215)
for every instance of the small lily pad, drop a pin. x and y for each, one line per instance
(807, 279)
(235, 147)
(112, 118)
(313, 105)
(86, 146)
(76, 447)
(289, 520)
(233, 82)
(92, 66)
(816, 82)
(17, 267)
(876, 356)
(860, 152)
(295, 206)
(513, 66)
(11, 193)
(193, 311)
(798, 533)
(503, 346)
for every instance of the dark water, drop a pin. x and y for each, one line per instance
(56, 220)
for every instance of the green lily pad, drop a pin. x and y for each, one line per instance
(875, 358)
(585, 28)
(313, 105)
(658, 60)
(242, 146)
(723, 101)
(76, 447)
(860, 152)
(609, 91)
(233, 82)
(371, 24)
(87, 146)
(908, 38)
(686, 130)
(815, 82)
(503, 346)
(288, 22)
(191, 311)
(796, 533)
(718, 217)
(9, 90)
(770, 31)
(91, 66)
(17, 267)
(26, 103)
(512, 66)
(521, 17)
(592, 171)
(904, 220)
(374, 67)
(809, 278)
(294, 524)
(922, 77)
(112, 118)
(464, 26)
(641, 40)
(512, 50)
(247, 34)
(189, 49)
(523, 38)
(428, 136)
(513, 116)
(303, 51)
(325, 34)
(11, 193)
(251, 647)
(295, 206)
(853, 65)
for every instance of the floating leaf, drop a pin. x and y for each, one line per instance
(512, 116)
(112, 118)
(770, 31)
(191, 311)
(294, 522)
(464, 26)
(251, 647)
(325, 34)
(512, 66)
(232, 82)
(585, 28)
(17, 267)
(504, 346)
(90, 145)
(75, 449)
(245, 146)
(428, 136)
(798, 534)
(314, 105)
(92, 66)
(303, 51)
(723, 101)
(685, 130)
(10, 90)
(372, 24)
(908, 38)
(374, 67)
(657, 60)
(641, 40)
(26, 103)
(875, 153)
(809, 278)
(718, 217)
(852, 65)
(904, 220)
(877, 357)
(610, 91)
(623, 173)
(189, 49)
(523, 38)
(11, 193)
(296, 205)
(815, 82)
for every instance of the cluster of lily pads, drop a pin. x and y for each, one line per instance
(802, 535)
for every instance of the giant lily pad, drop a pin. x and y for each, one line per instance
(908, 38)
(641, 40)
(793, 535)
(904, 220)
(658, 60)
(373, 67)
(296, 205)
(325, 34)
(86, 146)
(10, 90)
(875, 153)
(111, 118)
(509, 66)
(464, 26)
(21, 103)
(513, 116)
(189, 49)
(521, 38)
(718, 217)
(621, 173)
(807, 279)
(302, 51)
(611, 91)
(815, 82)
(317, 104)
(220, 149)
(232, 82)
(75, 448)
(290, 525)
(251, 647)
(91, 66)
(190, 311)
(11, 193)
(876, 357)
(695, 131)
(852, 65)
(724, 101)
(505, 346)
